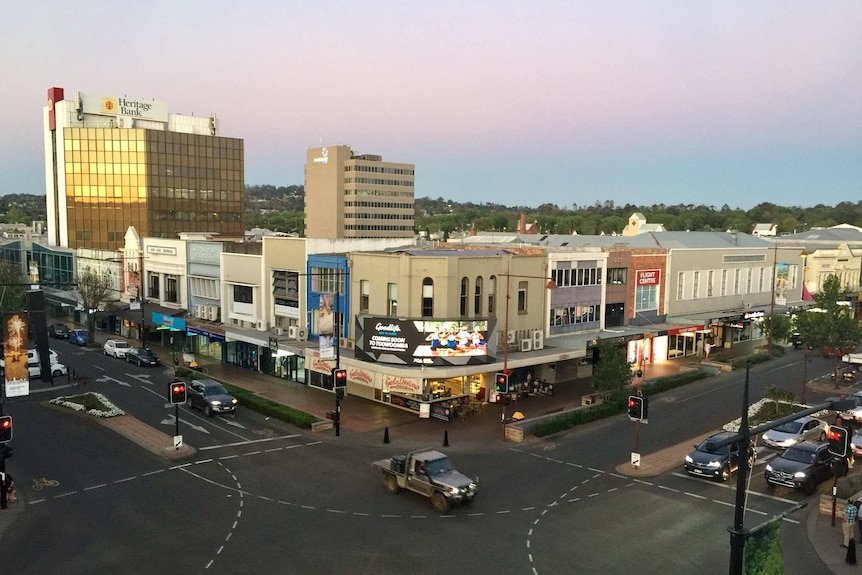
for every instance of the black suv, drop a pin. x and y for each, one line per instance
(58, 330)
(801, 466)
(706, 461)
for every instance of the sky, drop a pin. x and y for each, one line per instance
(520, 103)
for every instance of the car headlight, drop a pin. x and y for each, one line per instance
(454, 490)
(799, 475)
(688, 459)
(234, 401)
(769, 468)
(215, 402)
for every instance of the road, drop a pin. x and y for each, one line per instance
(260, 496)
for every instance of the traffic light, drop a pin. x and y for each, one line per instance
(637, 405)
(501, 383)
(339, 378)
(838, 439)
(178, 392)
(5, 428)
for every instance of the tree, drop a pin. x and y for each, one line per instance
(11, 288)
(830, 325)
(778, 326)
(612, 372)
(95, 289)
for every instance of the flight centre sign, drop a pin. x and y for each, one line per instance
(420, 342)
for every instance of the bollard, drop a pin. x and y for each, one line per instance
(446, 438)
(386, 435)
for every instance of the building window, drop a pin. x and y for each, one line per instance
(646, 298)
(171, 290)
(364, 295)
(749, 278)
(736, 275)
(492, 292)
(153, 291)
(243, 294)
(477, 304)
(617, 276)
(522, 297)
(428, 297)
(710, 281)
(392, 299)
(465, 284)
(695, 285)
(680, 286)
(723, 282)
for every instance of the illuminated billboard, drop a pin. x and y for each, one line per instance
(15, 371)
(425, 342)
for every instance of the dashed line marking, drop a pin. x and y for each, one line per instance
(95, 487)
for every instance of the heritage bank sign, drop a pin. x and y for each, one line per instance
(125, 106)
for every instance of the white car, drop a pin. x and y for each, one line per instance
(788, 434)
(117, 348)
(854, 414)
(35, 369)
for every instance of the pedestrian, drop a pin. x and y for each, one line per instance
(849, 522)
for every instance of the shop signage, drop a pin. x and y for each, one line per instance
(411, 342)
(405, 402)
(124, 106)
(752, 314)
(359, 375)
(686, 329)
(647, 277)
(162, 250)
(398, 384)
(316, 363)
(441, 411)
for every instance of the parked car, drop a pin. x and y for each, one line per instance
(801, 467)
(58, 330)
(854, 414)
(141, 356)
(706, 461)
(80, 336)
(210, 396)
(856, 443)
(803, 429)
(35, 368)
(116, 348)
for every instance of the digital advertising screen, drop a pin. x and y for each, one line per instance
(425, 342)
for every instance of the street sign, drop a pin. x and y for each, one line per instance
(178, 441)
(636, 459)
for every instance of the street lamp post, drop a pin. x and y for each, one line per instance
(550, 285)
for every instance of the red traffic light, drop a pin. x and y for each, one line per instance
(501, 383)
(838, 439)
(178, 392)
(5, 428)
(339, 377)
(637, 408)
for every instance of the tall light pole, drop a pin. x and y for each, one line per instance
(549, 285)
(772, 301)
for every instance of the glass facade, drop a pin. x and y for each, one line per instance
(160, 182)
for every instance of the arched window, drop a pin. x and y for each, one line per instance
(427, 297)
(477, 304)
(465, 287)
(492, 292)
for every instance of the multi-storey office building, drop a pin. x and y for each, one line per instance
(113, 161)
(357, 196)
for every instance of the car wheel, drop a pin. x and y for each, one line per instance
(822, 436)
(440, 503)
(105, 351)
(139, 362)
(808, 487)
(391, 483)
(208, 411)
(57, 373)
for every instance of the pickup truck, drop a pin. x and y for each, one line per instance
(853, 359)
(429, 473)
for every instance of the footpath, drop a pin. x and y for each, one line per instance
(368, 423)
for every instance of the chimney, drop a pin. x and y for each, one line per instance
(473, 229)
(522, 224)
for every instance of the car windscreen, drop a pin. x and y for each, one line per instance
(706, 442)
(438, 466)
(216, 389)
(800, 455)
(790, 427)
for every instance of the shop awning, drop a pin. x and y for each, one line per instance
(147, 311)
(62, 297)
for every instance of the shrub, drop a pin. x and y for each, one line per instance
(752, 359)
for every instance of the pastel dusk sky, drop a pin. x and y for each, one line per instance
(521, 103)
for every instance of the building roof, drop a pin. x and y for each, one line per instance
(662, 240)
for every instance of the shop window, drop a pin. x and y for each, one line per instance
(465, 284)
(392, 299)
(617, 276)
(364, 295)
(492, 293)
(477, 304)
(522, 297)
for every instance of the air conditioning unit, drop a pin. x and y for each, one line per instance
(526, 345)
(511, 337)
(279, 331)
(301, 334)
(292, 332)
(538, 339)
(200, 311)
(212, 313)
